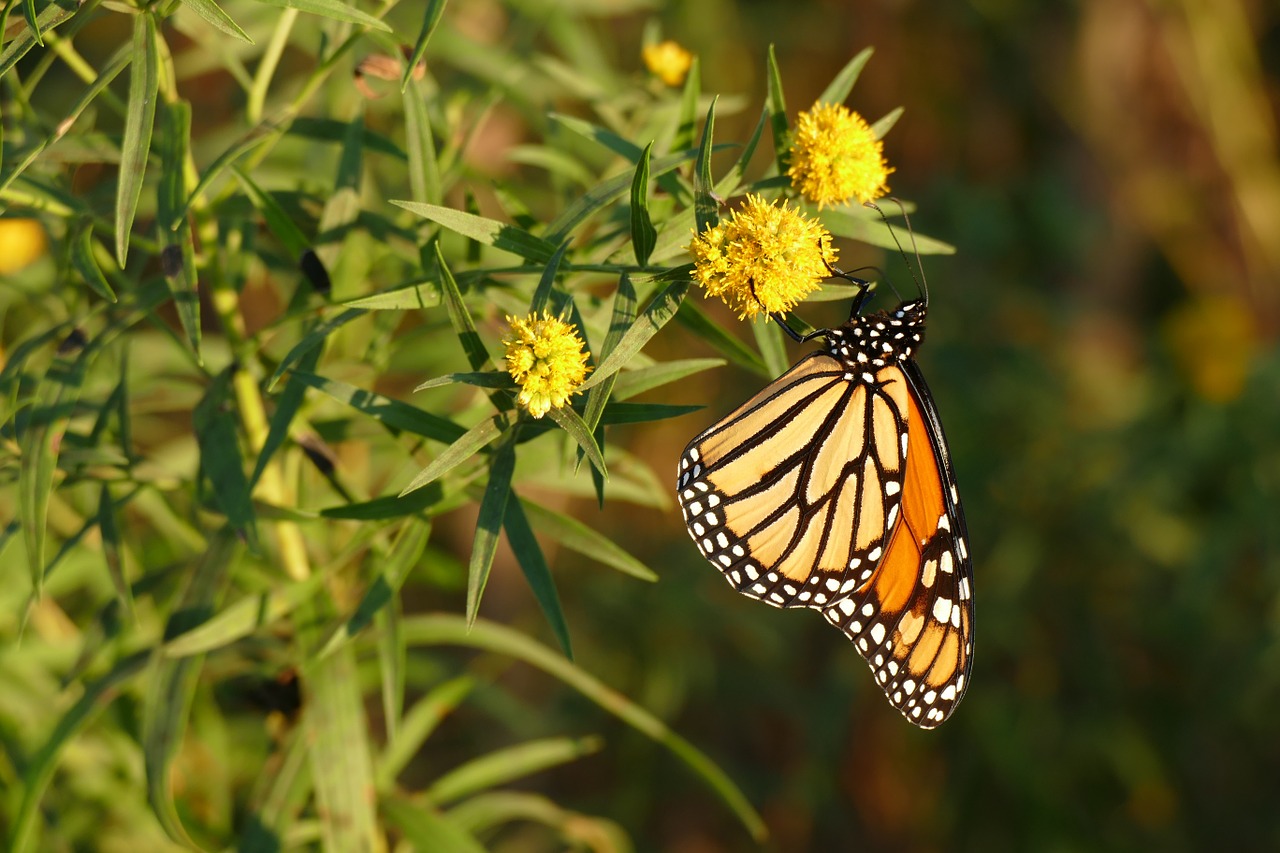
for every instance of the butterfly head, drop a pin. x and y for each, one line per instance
(878, 339)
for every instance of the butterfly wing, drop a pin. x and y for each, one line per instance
(792, 495)
(913, 619)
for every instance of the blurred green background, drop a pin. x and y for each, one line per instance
(1102, 348)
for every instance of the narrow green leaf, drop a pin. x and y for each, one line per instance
(213, 14)
(443, 629)
(215, 429)
(393, 659)
(460, 451)
(695, 319)
(258, 134)
(40, 767)
(392, 414)
(729, 185)
(430, 20)
(29, 13)
(842, 84)
(542, 294)
(144, 82)
(110, 533)
(424, 169)
(427, 829)
(343, 204)
(886, 122)
(489, 232)
(624, 313)
(705, 206)
(643, 234)
(335, 9)
(536, 571)
(572, 423)
(603, 136)
(395, 565)
(411, 298)
(463, 325)
(55, 398)
(55, 13)
(777, 107)
(86, 264)
(278, 222)
(310, 341)
(418, 724)
(244, 617)
(178, 257)
(492, 810)
(876, 232)
(486, 379)
(503, 766)
(340, 752)
(769, 340)
(493, 508)
(658, 313)
(687, 118)
(287, 405)
(639, 413)
(632, 383)
(585, 540)
(172, 684)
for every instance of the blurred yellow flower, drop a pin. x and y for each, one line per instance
(22, 241)
(836, 157)
(546, 359)
(765, 257)
(668, 61)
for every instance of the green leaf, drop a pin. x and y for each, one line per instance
(424, 168)
(82, 258)
(144, 83)
(392, 414)
(632, 383)
(335, 9)
(288, 403)
(178, 256)
(460, 451)
(886, 123)
(172, 684)
(430, 20)
(876, 232)
(215, 428)
(658, 313)
(504, 766)
(687, 120)
(217, 18)
(426, 829)
(842, 84)
(55, 399)
(244, 617)
(411, 298)
(485, 379)
(729, 185)
(695, 319)
(258, 134)
(572, 423)
(603, 136)
(639, 413)
(40, 766)
(342, 207)
(585, 540)
(534, 565)
(489, 232)
(643, 234)
(463, 325)
(278, 222)
(310, 341)
(776, 104)
(29, 12)
(493, 508)
(110, 533)
(55, 13)
(395, 565)
(705, 206)
(442, 629)
(418, 724)
(542, 294)
(769, 340)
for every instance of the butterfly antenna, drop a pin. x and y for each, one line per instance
(922, 283)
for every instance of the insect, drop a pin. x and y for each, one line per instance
(832, 489)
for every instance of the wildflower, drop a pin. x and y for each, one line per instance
(668, 61)
(545, 357)
(22, 242)
(765, 257)
(835, 156)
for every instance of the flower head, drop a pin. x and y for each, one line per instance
(835, 157)
(545, 357)
(765, 257)
(668, 61)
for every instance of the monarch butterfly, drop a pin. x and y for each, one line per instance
(832, 489)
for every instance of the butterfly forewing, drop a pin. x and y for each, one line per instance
(795, 514)
(832, 489)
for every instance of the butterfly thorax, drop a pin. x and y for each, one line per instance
(879, 339)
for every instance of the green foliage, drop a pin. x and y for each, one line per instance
(227, 483)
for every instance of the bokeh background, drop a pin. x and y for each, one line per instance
(1102, 348)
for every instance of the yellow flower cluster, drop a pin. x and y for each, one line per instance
(836, 157)
(763, 258)
(546, 359)
(668, 61)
